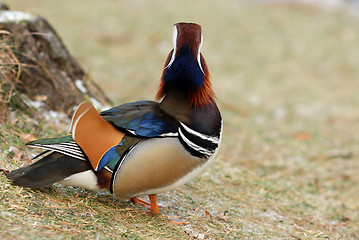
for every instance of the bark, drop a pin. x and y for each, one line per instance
(35, 64)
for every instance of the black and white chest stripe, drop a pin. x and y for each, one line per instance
(198, 144)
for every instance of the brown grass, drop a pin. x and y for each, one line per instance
(9, 73)
(286, 79)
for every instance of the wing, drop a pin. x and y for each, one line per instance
(142, 119)
(102, 138)
(65, 145)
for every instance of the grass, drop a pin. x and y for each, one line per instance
(286, 78)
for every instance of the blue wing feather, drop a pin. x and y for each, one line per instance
(110, 155)
(144, 118)
(133, 124)
(147, 123)
(146, 132)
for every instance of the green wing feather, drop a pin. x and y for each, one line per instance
(50, 141)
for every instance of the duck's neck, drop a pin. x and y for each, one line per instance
(176, 104)
(205, 119)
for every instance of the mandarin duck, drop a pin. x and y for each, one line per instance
(139, 148)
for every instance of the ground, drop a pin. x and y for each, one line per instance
(286, 79)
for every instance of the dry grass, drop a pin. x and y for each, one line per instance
(9, 73)
(286, 78)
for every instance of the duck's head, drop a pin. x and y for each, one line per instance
(185, 69)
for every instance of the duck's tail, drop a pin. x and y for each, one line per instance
(55, 167)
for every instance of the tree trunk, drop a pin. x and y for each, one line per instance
(37, 69)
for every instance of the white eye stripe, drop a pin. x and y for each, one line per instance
(175, 33)
(199, 54)
(174, 39)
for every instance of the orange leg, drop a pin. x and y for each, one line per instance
(154, 210)
(141, 202)
(152, 205)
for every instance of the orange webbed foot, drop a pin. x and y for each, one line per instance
(153, 206)
(141, 202)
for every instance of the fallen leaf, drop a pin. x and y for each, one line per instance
(208, 214)
(302, 136)
(223, 216)
(300, 222)
(28, 137)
